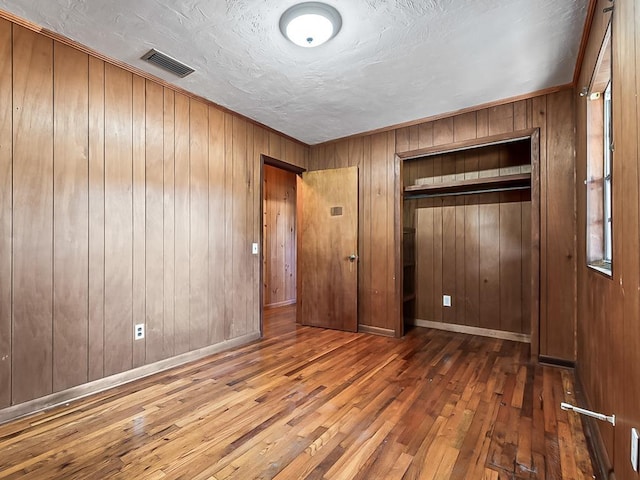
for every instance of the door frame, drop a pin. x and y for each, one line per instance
(531, 134)
(288, 167)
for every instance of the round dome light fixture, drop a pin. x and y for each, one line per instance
(310, 24)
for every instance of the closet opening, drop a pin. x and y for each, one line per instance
(470, 227)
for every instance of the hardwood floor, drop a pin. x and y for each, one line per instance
(306, 403)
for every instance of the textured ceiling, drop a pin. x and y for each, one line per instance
(393, 61)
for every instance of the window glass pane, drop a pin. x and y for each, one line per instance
(607, 175)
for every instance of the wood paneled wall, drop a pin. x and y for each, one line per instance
(378, 286)
(609, 307)
(121, 202)
(279, 237)
(553, 115)
(475, 248)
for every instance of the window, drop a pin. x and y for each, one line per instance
(608, 141)
(599, 163)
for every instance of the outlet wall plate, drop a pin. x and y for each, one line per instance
(446, 300)
(635, 439)
(138, 331)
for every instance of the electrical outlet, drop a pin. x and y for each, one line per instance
(254, 248)
(635, 439)
(446, 300)
(138, 331)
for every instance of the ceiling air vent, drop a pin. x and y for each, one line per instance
(163, 60)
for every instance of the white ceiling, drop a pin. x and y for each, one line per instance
(394, 61)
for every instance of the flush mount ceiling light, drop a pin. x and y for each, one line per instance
(310, 24)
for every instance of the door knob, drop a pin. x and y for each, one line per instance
(353, 257)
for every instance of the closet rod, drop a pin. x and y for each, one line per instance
(469, 192)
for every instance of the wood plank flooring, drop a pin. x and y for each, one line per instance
(307, 403)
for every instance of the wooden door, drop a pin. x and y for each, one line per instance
(328, 249)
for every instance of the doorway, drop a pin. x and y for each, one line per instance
(279, 243)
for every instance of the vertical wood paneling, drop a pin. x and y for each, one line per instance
(182, 230)
(139, 214)
(96, 219)
(365, 305)
(471, 247)
(252, 206)
(6, 224)
(626, 112)
(228, 221)
(154, 220)
(449, 258)
(472, 260)
(379, 225)
(70, 217)
(169, 225)
(260, 147)
(32, 215)
(424, 267)
(118, 221)
(608, 319)
(121, 202)
(489, 225)
(437, 259)
(526, 254)
(198, 223)
(217, 256)
(560, 222)
(539, 120)
(511, 258)
(239, 237)
(280, 236)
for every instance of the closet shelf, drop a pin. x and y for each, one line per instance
(517, 181)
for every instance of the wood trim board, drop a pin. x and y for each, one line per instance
(483, 332)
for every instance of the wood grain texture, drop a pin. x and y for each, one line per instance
(459, 132)
(608, 306)
(328, 286)
(154, 221)
(6, 220)
(304, 403)
(130, 205)
(471, 247)
(279, 237)
(240, 246)
(560, 222)
(118, 287)
(199, 225)
(217, 256)
(139, 257)
(70, 219)
(96, 218)
(32, 299)
(378, 287)
(182, 231)
(168, 203)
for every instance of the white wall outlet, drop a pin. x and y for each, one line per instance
(446, 300)
(635, 439)
(138, 331)
(254, 248)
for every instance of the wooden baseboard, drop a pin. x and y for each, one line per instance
(483, 332)
(602, 466)
(286, 303)
(86, 389)
(556, 362)
(376, 330)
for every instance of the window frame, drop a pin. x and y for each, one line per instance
(599, 181)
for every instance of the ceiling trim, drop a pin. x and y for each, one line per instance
(141, 73)
(412, 123)
(586, 33)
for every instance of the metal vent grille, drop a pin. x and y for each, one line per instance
(164, 61)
